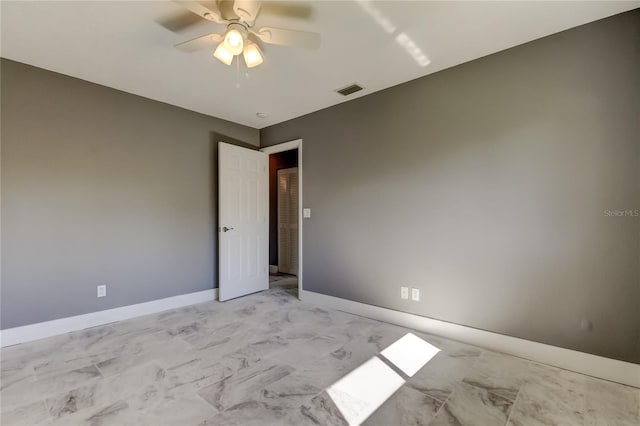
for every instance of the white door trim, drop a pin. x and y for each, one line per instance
(614, 370)
(285, 146)
(288, 146)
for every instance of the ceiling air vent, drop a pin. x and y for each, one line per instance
(349, 90)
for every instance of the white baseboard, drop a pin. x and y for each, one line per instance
(593, 365)
(273, 269)
(28, 333)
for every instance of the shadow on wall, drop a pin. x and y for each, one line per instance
(214, 139)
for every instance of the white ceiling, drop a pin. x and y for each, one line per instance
(119, 44)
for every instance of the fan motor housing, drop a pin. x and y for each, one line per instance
(239, 27)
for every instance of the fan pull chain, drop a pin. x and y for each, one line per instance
(238, 72)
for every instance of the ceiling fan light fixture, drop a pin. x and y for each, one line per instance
(234, 41)
(223, 55)
(252, 55)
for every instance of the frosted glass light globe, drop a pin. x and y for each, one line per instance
(234, 42)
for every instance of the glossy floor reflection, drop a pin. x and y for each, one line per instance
(269, 359)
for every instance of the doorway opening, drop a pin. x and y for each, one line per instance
(285, 216)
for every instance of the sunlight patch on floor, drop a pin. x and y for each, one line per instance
(358, 394)
(361, 392)
(410, 353)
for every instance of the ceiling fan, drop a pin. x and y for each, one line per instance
(241, 36)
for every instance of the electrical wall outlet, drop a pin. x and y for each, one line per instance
(404, 292)
(102, 290)
(306, 212)
(415, 294)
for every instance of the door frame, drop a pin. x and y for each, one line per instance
(288, 146)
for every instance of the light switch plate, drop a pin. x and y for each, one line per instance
(306, 212)
(404, 292)
(415, 294)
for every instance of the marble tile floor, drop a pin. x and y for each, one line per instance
(268, 359)
(284, 281)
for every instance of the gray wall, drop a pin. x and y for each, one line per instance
(280, 160)
(486, 186)
(100, 186)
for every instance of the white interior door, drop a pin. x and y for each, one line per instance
(288, 220)
(243, 218)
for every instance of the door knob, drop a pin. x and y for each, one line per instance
(225, 229)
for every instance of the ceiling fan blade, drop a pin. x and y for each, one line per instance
(291, 38)
(208, 12)
(288, 10)
(179, 21)
(247, 10)
(209, 40)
